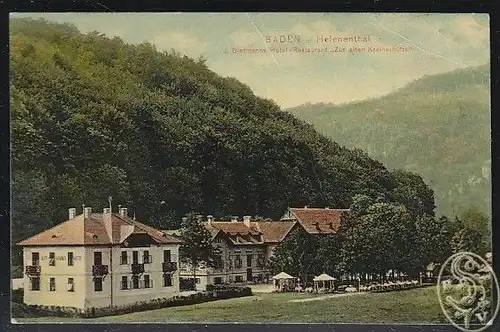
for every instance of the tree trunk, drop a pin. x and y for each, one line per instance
(194, 276)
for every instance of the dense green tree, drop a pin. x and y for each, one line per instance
(197, 247)
(328, 258)
(469, 237)
(296, 255)
(434, 239)
(474, 219)
(379, 235)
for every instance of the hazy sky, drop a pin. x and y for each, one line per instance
(434, 43)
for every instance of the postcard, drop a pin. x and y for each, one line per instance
(251, 168)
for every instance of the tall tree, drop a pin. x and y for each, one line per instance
(295, 255)
(475, 219)
(468, 238)
(197, 246)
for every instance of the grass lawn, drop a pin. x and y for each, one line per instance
(411, 306)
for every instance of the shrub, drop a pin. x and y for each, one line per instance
(16, 271)
(23, 310)
(18, 295)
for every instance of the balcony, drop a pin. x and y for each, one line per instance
(33, 270)
(169, 266)
(99, 270)
(137, 268)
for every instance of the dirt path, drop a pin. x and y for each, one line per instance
(326, 297)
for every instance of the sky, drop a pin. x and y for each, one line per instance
(418, 44)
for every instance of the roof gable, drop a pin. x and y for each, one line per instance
(275, 231)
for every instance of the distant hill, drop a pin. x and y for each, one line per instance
(438, 126)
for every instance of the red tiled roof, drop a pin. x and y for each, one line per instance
(275, 231)
(318, 221)
(92, 231)
(237, 232)
(259, 231)
(239, 227)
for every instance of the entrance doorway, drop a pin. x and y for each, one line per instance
(249, 274)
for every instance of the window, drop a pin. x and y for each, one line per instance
(71, 285)
(167, 256)
(238, 279)
(260, 259)
(219, 263)
(147, 281)
(98, 284)
(135, 257)
(124, 258)
(249, 260)
(124, 282)
(97, 258)
(217, 280)
(70, 259)
(217, 239)
(52, 259)
(35, 258)
(146, 259)
(237, 262)
(52, 284)
(135, 282)
(167, 280)
(35, 283)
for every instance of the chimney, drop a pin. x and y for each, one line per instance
(184, 220)
(234, 219)
(106, 210)
(210, 219)
(305, 207)
(123, 212)
(72, 213)
(246, 220)
(87, 211)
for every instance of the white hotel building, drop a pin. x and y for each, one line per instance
(99, 260)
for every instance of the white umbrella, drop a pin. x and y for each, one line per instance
(283, 275)
(324, 277)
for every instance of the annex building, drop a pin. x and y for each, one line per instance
(246, 245)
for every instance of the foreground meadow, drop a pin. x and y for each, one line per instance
(411, 306)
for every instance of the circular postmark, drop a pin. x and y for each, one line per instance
(465, 292)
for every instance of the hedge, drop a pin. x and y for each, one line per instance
(18, 295)
(23, 310)
(395, 289)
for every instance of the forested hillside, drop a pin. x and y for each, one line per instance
(94, 117)
(438, 126)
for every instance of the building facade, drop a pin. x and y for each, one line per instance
(99, 260)
(245, 248)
